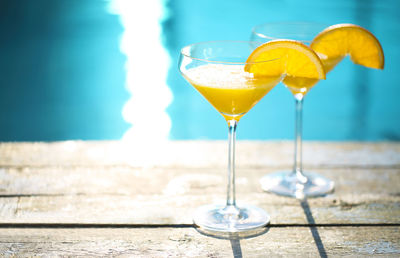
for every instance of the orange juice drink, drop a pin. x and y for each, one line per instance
(229, 89)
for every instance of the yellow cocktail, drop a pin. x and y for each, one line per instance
(216, 70)
(231, 90)
(331, 44)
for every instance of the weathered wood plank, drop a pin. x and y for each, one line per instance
(122, 180)
(170, 196)
(187, 242)
(198, 154)
(170, 210)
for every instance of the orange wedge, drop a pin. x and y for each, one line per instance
(337, 41)
(297, 60)
(301, 65)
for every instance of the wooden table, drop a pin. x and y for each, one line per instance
(118, 199)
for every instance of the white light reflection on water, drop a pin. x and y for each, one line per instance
(146, 70)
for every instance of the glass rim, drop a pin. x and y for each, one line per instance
(182, 52)
(254, 31)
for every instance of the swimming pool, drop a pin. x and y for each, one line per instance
(94, 70)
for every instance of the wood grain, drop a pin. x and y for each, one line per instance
(117, 199)
(170, 196)
(187, 242)
(198, 154)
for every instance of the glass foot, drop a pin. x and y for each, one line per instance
(288, 184)
(221, 218)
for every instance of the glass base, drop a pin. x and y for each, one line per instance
(221, 218)
(286, 183)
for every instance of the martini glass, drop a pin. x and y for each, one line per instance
(216, 70)
(296, 182)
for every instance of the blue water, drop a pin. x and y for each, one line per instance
(64, 74)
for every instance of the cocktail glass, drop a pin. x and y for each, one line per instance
(295, 183)
(216, 70)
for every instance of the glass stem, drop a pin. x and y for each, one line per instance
(298, 166)
(231, 195)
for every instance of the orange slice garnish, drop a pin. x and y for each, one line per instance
(298, 62)
(338, 41)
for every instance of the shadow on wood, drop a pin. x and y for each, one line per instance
(313, 228)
